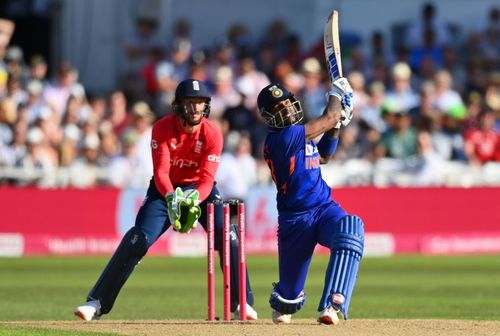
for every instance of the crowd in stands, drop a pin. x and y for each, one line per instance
(427, 109)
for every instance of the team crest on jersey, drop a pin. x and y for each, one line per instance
(311, 150)
(154, 144)
(197, 147)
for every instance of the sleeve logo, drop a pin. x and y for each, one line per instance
(214, 158)
(154, 144)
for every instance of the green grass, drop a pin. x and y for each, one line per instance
(48, 288)
(14, 331)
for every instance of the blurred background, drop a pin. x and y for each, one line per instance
(82, 82)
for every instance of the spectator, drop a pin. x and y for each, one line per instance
(38, 70)
(118, 114)
(456, 69)
(170, 72)
(230, 179)
(223, 55)
(428, 21)
(240, 118)
(492, 95)
(11, 154)
(276, 35)
(4, 76)
(371, 113)
(401, 95)
(379, 51)
(427, 52)
(266, 59)
(446, 99)
(254, 78)
(16, 92)
(126, 171)
(313, 91)
(141, 45)
(357, 81)
(14, 61)
(35, 103)
(68, 149)
(110, 144)
(8, 116)
(482, 143)
(238, 168)
(425, 169)
(57, 93)
(37, 166)
(83, 172)
(142, 120)
(225, 95)
(430, 166)
(399, 141)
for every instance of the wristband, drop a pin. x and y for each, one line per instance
(327, 145)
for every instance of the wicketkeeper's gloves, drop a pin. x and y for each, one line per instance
(183, 209)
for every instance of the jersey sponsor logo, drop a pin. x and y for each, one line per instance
(311, 150)
(181, 163)
(338, 298)
(198, 146)
(154, 144)
(214, 158)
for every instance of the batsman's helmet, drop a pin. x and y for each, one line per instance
(269, 100)
(191, 88)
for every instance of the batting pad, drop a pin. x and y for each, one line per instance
(342, 271)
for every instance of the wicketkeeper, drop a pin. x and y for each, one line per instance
(186, 149)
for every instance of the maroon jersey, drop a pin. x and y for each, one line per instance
(181, 158)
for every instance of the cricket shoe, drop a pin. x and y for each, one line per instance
(251, 313)
(280, 318)
(329, 316)
(89, 311)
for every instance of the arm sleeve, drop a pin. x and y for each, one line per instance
(161, 163)
(209, 164)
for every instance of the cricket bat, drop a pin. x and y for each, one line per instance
(331, 43)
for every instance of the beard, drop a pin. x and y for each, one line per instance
(188, 121)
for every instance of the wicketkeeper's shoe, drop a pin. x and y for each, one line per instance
(89, 311)
(280, 318)
(329, 316)
(251, 313)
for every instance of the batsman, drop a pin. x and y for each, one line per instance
(186, 149)
(307, 215)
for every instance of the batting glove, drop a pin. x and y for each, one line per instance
(340, 88)
(344, 120)
(343, 91)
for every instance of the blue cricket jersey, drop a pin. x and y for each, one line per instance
(295, 168)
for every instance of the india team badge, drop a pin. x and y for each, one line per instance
(276, 92)
(311, 150)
